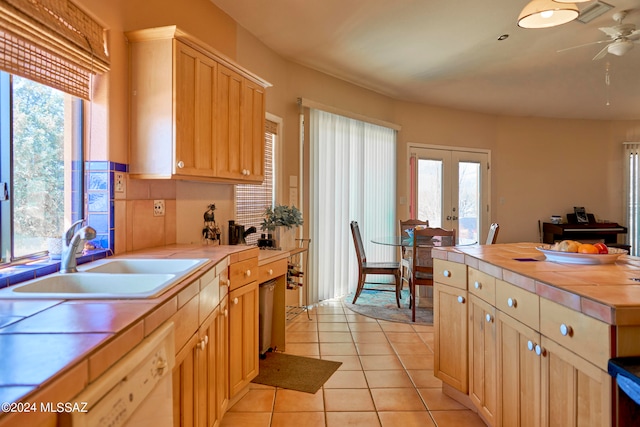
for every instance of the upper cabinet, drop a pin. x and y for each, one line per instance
(194, 114)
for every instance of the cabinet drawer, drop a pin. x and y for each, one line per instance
(450, 273)
(243, 272)
(482, 285)
(518, 303)
(582, 334)
(272, 270)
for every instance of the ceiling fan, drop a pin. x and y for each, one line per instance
(621, 39)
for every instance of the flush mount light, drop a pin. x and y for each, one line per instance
(571, 1)
(547, 13)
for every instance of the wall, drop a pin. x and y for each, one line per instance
(540, 166)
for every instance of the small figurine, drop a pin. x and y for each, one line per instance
(211, 231)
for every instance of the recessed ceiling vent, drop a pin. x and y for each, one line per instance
(592, 11)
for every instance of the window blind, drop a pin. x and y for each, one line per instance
(632, 193)
(253, 199)
(52, 42)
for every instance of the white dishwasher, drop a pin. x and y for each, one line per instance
(137, 390)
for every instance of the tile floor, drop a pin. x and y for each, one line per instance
(386, 378)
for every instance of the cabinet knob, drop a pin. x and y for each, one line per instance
(270, 272)
(247, 273)
(235, 301)
(489, 318)
(226, 312)
(540, 351)
(460, 299)
(566, 330)
(511, 302)
(477, 285)
(180, 164)
(203, 342)
(530, 345)
(446, 273)
(161, 365)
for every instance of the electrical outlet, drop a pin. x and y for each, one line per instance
(158, 208)
(119, 182)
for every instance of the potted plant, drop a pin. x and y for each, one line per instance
(283, 221)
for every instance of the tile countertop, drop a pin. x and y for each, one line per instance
(41, 341)
(607, 292)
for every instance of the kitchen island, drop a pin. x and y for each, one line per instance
(526, 341)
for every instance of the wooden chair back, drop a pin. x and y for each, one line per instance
(423, 242)
(357, 241)
(410, 223)
(493, 233)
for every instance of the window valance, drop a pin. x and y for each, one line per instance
(53, 42)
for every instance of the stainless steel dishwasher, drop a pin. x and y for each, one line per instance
(136, 391)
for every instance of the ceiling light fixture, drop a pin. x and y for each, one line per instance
(547, 13)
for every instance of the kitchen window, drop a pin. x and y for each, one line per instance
(40, 165)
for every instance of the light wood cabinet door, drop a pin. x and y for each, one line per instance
(575, 393)
(483, 359)
(228, 142)
(252, 142)
(243, 337)
(185, 385)
(519, 368)
(207, 352)
(195, 91)
(222, 349)
(450, 326)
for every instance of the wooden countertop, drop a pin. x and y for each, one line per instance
(607, 292)
(69, 343)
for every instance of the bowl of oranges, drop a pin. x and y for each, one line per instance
(574, 252)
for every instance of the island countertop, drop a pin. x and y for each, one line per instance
(608, 292)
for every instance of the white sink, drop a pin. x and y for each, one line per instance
(143, 266)
(92, 286)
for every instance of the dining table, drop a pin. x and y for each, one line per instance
(406, 241)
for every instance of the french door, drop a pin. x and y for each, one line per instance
(450, 189)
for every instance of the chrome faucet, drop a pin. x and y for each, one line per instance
(70, 242)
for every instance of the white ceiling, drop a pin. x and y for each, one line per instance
(447, 53)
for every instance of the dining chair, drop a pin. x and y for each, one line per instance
(422, 261)
(493, 233)
(406, 251)
(365, 267)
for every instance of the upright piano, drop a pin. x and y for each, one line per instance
(606, 232)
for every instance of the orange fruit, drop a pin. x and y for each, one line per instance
(587, 248)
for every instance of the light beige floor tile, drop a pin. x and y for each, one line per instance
(423, 328)
(403, 337)
(298, 401)
(380, 363)
(358, 318)
(341, 400)
(302, 327)
(333, 327)
(406, 419)
(396, 326)
(331, 318)
(365, 327)
(416, 361)
(369, 337)
(352, 419)
(330, 309)
(256, 400)
(349, 363)
(335, 337)
(300, 337)
(388, 379)
(340, 349)
(306, 419)
(424, 378)
(464, 418)
(371, 349)
(346, 379)
(246, 419)
(436, 400)
(303, 349)
(397, 399)
(412, 348)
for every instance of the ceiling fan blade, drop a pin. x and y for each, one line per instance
(603, 52)
(610, 31)
(635, 35)
(582, 45)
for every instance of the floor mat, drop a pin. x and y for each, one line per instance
(382, 305)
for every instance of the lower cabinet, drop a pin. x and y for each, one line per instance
(222, 349)
(243, 336)
(450, 333)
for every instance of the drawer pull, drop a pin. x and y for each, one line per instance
(489, 318)
(226, 312)
(511, 302)
(540, 351)
(460, 299)
(236, 301)
(203, 342)
(247, 273)
(446, 273)
(180, 164)
(530, 345)
(270, 272)
(566, 330)
(477, 285)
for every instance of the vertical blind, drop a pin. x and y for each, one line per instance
(632, 193)
(253, 199)
(353, 178)
(52, 42)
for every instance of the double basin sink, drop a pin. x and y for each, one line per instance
(125, 278)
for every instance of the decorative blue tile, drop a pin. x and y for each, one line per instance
(119, 167)
(99, 181)
(22, 276)
(96, 166)
(112, 188)
(48, 269)
(98, 202)
(112, 239)
(99, 221)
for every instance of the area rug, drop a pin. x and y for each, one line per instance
(295, 372)
(382, 305)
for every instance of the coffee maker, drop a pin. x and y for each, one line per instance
(237, 233)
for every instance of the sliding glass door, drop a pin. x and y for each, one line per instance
(450, 189)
